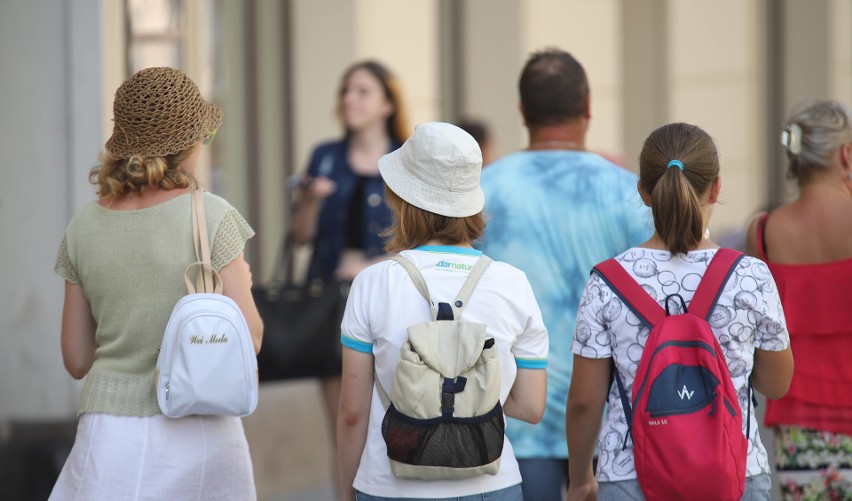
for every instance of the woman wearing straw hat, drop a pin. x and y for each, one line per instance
(432, 184)
(123, 259)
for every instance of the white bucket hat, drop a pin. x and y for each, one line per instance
(437, 170)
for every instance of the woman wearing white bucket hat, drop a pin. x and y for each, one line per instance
(432, 187)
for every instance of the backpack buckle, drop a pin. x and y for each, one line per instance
(448, 394)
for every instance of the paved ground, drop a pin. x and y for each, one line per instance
(322, 493)
(290, 441)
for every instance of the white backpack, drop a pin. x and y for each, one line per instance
(207, 363)
(443, 417)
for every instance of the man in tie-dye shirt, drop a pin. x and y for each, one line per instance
(554, 211)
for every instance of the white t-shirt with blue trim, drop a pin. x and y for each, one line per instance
(383, 303)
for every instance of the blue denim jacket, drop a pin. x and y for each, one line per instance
(330, 160)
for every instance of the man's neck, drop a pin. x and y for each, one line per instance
(565, 136)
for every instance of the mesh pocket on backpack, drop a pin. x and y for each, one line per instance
(448, 442)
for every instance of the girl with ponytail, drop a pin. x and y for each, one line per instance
(679, 180)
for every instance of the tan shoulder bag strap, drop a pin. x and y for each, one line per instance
(206, 278)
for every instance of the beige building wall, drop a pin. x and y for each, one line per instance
(716, 83)
(591, 31)
(490, 56)
(840, 47)
(404, 36)
(322, 44)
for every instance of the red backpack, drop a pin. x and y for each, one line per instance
(685, 417)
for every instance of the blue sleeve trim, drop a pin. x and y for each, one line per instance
(356, 345)
(531, 363)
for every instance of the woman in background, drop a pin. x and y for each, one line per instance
(340, 202)
(679, 180)
(123, 260)
(808, 247)
(341, 206)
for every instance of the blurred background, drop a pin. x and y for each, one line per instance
(731, 66)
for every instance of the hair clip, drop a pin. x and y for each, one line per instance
(677, 163)
(791, 138)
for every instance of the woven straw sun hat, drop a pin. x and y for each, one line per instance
(437, 169)
(159, 112)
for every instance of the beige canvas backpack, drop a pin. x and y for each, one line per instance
(444, 419)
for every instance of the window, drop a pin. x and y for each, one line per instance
(154, 36)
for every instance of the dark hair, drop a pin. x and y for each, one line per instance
(413, 226)
(397, 122)
(475, 128)
(553, 88)
(675, 193)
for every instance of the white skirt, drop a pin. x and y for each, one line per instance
(157, 458)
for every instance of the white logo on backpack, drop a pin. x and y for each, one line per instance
(685, 393)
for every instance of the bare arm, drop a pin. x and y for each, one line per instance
(586, 400)
(78, 332)
(236, 284)
(773, 371)
(528, 396)
(303, 226)
(353, 417)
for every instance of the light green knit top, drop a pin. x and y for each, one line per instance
(131, 264)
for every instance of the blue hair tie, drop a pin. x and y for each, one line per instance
(678, 163)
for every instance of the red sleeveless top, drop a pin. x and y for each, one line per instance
(817, 301)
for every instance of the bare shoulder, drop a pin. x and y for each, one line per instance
(752, 245)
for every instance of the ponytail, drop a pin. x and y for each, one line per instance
(678, 165)
(677, 212)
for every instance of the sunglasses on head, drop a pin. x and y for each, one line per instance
(209, 137)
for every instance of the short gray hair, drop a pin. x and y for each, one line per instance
(824, 125)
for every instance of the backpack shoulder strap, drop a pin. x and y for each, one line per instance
(208, 279)
(721, 266)
(417, 279)
(464, 294)
(630, 292)
(472, 280)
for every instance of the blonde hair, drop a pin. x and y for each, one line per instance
(825, 126)
(412, 226)
(675, 194)
(116, 177)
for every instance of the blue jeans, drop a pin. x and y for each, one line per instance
(508, 494)
(756, 489)
(544, 479)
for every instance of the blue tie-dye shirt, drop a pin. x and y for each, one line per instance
(555, 214)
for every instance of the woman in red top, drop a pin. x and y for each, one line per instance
(808, 247)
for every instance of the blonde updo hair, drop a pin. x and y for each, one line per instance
(676, 194)
(813, 130)
(116, 177)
